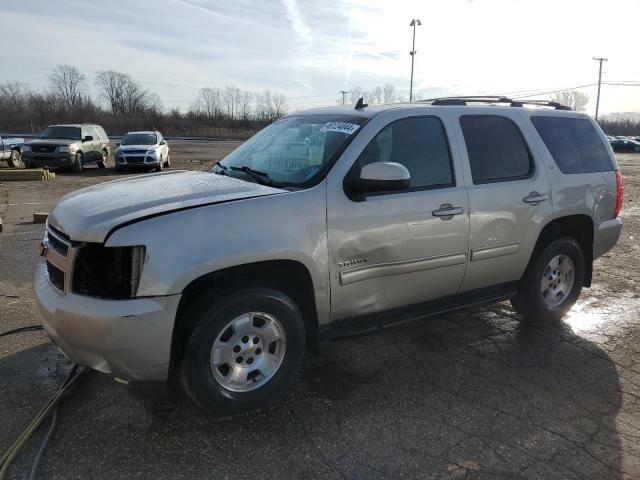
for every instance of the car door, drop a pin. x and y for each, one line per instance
(509, 196)
(388, 250)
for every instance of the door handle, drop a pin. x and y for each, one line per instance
(447, 211)
(534, 198)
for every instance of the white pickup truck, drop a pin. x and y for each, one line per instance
(11, 151)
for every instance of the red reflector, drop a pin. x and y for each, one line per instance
(619, 194)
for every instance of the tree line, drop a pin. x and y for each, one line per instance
(124, 104)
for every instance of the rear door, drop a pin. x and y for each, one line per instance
(509, 196)
(388, 250)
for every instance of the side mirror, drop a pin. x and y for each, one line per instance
(382, 177)
(88, 138)
(163, 142)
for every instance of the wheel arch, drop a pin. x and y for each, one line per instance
(579, 227)
(291, 277)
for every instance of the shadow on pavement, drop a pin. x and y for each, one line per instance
(470, 395)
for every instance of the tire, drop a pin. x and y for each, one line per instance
(105, 157)
(212, 387)
(78, 164)
(158, 168)
(167, 163)
(549, 301)
(15, 160)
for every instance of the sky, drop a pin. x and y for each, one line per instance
(310, 50)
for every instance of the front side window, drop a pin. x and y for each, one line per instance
(61, 133)
(418, 143)
(573, 143)
(294, 150)
(139, 139)
(496, 149)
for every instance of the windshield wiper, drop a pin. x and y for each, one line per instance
(260, 177)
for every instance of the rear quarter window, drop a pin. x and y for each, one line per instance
(574, 144)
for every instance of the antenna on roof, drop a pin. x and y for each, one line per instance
(360, 104)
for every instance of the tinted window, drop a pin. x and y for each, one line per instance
(496, 148)
(67, 133)
(574, 144)
(139, 139)
(418, 143)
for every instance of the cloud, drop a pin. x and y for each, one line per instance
(298, 24)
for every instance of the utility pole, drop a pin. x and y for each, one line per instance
(344, 93)
(600, 60)
(415, 22)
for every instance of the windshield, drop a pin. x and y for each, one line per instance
(294, 149)
(139, 139)
(67, 133)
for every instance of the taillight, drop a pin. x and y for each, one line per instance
(619, 194)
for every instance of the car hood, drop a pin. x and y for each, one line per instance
(90, 214)
(51, 141)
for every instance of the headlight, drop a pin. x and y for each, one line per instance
(108, 272)
(26, 148)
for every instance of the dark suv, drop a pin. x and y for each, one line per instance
(68, 146)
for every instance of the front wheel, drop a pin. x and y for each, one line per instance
(105, 157)
(15, 160)
(553, 283)
(78, 163)
(244, 350)
(158, 167)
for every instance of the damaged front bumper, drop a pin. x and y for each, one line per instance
(127, 339)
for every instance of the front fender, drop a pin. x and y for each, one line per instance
(186, 245)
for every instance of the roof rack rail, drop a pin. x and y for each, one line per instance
(465, 100)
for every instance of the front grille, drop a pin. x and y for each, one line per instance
(135, 159)
(103, 272)
(43, 148)
(56, 276)
(57, 245)
(134, 152)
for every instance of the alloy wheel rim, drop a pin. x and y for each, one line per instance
(557, 280)
(248, 351)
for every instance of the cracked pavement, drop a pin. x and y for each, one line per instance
(474, 394)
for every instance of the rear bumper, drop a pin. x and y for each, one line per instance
(54, 159)
(126, 339)
(606, 236)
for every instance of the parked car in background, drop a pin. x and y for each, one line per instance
(326, 223)
(71, 146)
(624, 144)
(143, 149)
(11, 150)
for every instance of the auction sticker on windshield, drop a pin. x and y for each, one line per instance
(341, 127)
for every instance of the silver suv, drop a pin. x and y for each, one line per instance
(326, 223)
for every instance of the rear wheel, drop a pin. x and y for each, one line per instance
(553, 283)
(15, 160)
(105, 157)
(78, 163)
(244, 350)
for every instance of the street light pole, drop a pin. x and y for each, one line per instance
(344, 94)
(600, 60)
(415, 22)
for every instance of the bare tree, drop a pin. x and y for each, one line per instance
(245, 104)
(574, 99)
(124, 94)
(264, 105)
(69, 83)
(209, 102)
(279, 105)
(389, 93)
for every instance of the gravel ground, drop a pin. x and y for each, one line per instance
(475, 394)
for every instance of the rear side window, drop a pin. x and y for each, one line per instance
(497, 152)
(574, 144)
(418, 143)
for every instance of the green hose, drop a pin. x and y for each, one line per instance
(10, 454)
